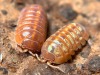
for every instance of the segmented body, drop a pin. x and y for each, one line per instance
(32, 27)
(59, 47)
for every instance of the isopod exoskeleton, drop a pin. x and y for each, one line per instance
(60, 46)
(32, 27)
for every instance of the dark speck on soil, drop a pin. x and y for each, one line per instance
(4, 12)
(94, 64)
(4, 70)
(68, 12)
(85, 52)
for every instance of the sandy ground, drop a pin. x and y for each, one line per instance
(60, 13)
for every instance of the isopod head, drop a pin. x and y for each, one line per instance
(52, 53)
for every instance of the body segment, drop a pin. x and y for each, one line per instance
(60, 46)
(31, 30)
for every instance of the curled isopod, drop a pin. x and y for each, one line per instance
(60, 46)
(32, 27)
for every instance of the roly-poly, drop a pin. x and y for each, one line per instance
(60, 46)
(32, 27)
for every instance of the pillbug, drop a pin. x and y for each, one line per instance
(32, 27)
(59, 47)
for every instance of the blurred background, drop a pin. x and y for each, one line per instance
(59, 13)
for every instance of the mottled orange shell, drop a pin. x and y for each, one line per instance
(60, 46)
(32, 27)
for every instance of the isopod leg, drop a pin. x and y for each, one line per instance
(18, 48)
(37, 56)
(41, 60)
(32, 53)
(56, 67)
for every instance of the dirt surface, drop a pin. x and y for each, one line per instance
(60, 13)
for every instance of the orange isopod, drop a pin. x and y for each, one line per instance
(32, 27)
(59, 47)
